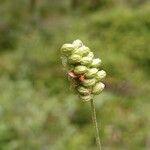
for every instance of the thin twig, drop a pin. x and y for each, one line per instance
(95, 124)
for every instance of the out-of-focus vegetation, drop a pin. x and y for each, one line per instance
(38, 111)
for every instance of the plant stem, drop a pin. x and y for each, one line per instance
(94, 119)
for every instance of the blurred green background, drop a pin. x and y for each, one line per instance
(38, 111)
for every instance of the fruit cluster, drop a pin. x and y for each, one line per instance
(83, 69)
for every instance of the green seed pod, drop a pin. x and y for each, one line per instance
(98, 88)
(73, 59)
(100, 75)
(86, 61)
(86, 97)
(96, 63)
(67, 49)
(91, 72)
(77, 43)
(88, 82)
(83, 90)
(80, 69)
(82, 51)
(91, 55)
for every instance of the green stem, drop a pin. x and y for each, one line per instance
(95, 123)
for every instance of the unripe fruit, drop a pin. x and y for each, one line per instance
(82, 51)
(98, 88)
(96, 63)
(88, 82)
(73, 59)
(100, 75)
(86, 97)
(91, 55)
(67, 49)
(91, 73)
(80, 69)
(86, 61)
(77, 43)
(83, 90)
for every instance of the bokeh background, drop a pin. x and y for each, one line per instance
(38, 111)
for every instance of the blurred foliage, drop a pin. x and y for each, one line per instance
(37, 108)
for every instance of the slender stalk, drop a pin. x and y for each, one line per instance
(94, 119)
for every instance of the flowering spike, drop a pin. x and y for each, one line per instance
(83, 69)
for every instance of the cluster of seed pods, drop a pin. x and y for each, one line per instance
(83, 69)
